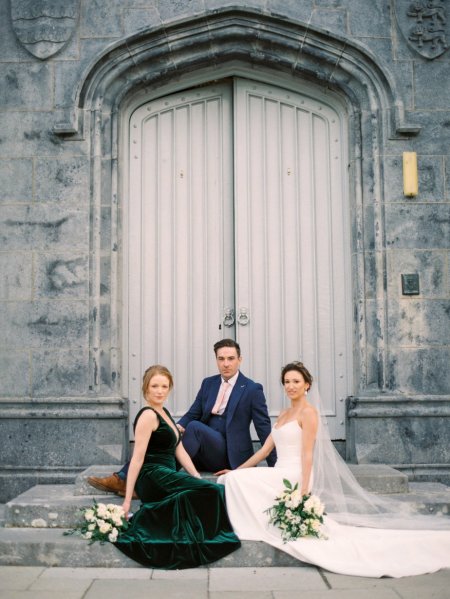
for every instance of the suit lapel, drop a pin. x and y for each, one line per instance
(236, 395)
(212, 396)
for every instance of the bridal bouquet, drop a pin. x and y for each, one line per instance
(102, 522)
(296, 515)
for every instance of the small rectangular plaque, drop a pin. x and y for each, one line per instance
(410, 284)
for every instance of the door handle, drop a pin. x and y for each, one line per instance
(243, 318)
(228, 319)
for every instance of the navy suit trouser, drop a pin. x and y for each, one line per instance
(206, 446)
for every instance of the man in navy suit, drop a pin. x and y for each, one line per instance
(215, 437)
(216, 428)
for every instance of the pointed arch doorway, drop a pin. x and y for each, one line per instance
(237, 226)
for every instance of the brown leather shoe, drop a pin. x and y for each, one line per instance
(110, 484)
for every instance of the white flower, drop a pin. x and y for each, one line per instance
(296, 498)
(315, 525)
(105, 527)
(89, 515)
(112, 537)
(87, 535)
(100, 522)
(91, 526)
(102, 512)
(117, 519)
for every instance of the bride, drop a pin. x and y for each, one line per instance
(367, 535)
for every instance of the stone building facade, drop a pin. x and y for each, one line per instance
(73, 71)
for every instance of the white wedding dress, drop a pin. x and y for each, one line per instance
(351, 550)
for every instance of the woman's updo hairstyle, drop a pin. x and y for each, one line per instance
(151, 372)
(299, 367)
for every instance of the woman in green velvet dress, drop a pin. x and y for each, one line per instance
(182, 522)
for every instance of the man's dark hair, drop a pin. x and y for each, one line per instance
(227, 343)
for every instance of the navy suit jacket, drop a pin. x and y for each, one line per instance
(246, 404)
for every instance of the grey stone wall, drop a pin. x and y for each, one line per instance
(60, 100)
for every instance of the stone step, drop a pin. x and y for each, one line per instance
(53, 506)
(36, 520)
(57, 506)
(377, 478)
(49, 547)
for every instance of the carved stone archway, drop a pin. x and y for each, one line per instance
(191, 50)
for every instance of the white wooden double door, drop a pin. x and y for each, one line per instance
(237, 227)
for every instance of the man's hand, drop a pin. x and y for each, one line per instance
(222, 472)
(180, 428)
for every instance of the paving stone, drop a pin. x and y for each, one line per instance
(156, 589)
(262, 579)
(9, 579)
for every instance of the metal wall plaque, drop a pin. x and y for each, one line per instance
(410, 284)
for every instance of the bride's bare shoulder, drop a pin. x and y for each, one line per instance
(309, 414)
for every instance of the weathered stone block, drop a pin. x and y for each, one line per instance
(60, 373)
(419, 322)
(45, 325)
(41, 227)
(417, 226)
(101, 18)
(434, 138)
(370, 272)
(431, 179)
(58, 438)
(431, 267)
(331, 3)
(26, 86)
(447, 177)
(69, 73)
(63, 180)
(140, 18)
(16, 180)
(16, 276)
(330, 19)
(62, 275)
(426, 74)
(15, 367)
(420, 370)
(300, 11)
(373, 21)
(400, 430)
(27, 134)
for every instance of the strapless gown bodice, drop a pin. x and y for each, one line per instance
(288, 440)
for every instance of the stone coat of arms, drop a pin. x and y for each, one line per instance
(424, 24)
(44, 27)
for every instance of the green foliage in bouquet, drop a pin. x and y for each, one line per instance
(297, 515)
(102, 522)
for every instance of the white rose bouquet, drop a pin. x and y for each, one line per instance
(296, 515)
(102, 522)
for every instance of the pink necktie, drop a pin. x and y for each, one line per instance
(221, 397)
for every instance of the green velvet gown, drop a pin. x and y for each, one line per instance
(182, 521)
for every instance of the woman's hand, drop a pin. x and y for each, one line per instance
(126, 506)
(224, 471)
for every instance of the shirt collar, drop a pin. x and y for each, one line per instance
(233, 379)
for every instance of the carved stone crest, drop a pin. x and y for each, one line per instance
(44, 27)
(425, 25)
